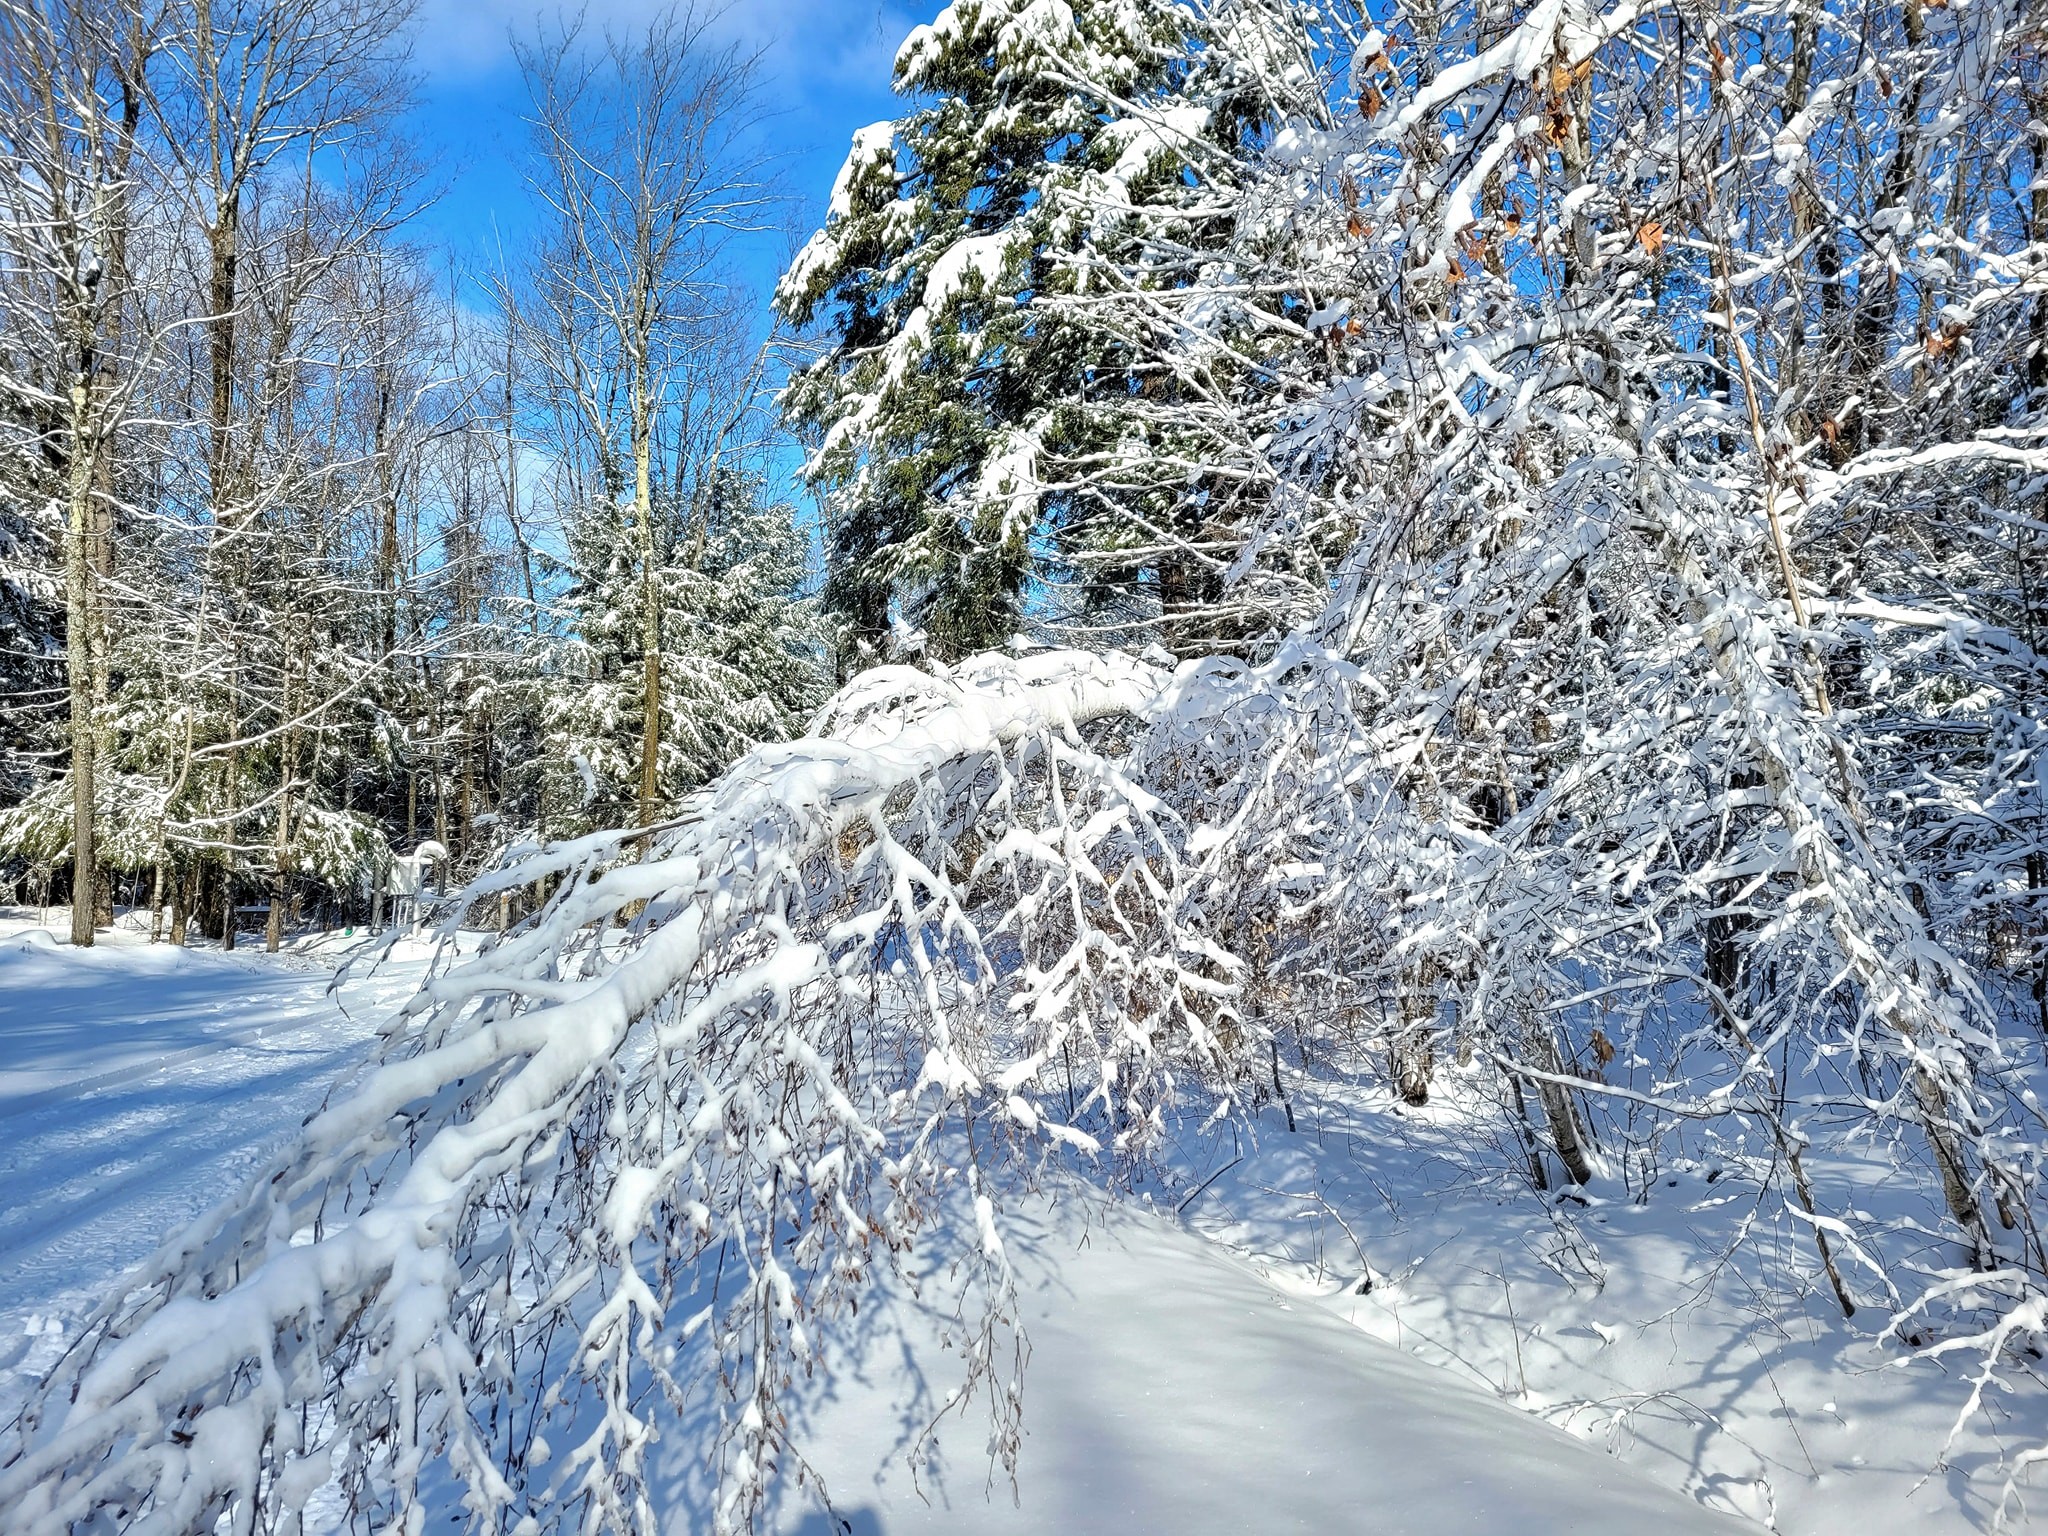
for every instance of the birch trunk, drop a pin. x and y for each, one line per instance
(80, 633)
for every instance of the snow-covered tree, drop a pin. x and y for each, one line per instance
(971, 438)
(642, 161)
(742, 659)
(76, 348)
(30, 637)
(172, 261)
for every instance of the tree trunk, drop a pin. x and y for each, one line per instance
(465, 793)
(280, 855)
(650, 618)
(387, 517)
(1541, 1047)
(273, 933)
(220, 340)
(1414, 1048)
(80, 626)
(1942, 1118)
(512, 494)
(1525, 1128)
(183, 893)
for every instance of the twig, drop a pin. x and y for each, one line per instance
(1515, 1329)
(1206, 1183)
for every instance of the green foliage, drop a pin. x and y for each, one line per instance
(741, 653)
(339, 848)
(959, 402)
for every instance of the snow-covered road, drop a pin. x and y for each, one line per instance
(73, 1023)
(1170, 1390)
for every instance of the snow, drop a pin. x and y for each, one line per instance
(73, 1021)
(1520, 53)
(875, 142)
(1674, 1319)
(1009, 480)
(1167, 131)
(979, 257)
(408, 873)
(1540, 784)
(1169, 1388)
(139, 1085)
(1168, 1385)
(1220, 1372)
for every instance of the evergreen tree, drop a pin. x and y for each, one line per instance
(30, 626)
(979, 422)
(741, 659)
(1639, 418)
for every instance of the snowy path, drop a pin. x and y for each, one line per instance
(74, 1021)
(1170, 1390)
(138, 1086)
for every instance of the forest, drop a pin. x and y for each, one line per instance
(1474, 563)
(317, 546)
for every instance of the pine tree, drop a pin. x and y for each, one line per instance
(973, 435)
(1643, 414)
(741, 656)
(30, 637)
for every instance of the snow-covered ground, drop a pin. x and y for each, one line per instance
(1681, 1323)
(140, 1084)
(1170, 1391)
(1216, 1370)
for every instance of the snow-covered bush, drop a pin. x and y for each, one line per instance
(760, 1046)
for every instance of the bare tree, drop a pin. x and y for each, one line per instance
(641, 162)
(70, 102)
(288, 106)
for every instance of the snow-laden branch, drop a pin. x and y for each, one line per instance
(750, 1044)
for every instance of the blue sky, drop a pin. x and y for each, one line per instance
(827, 68)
